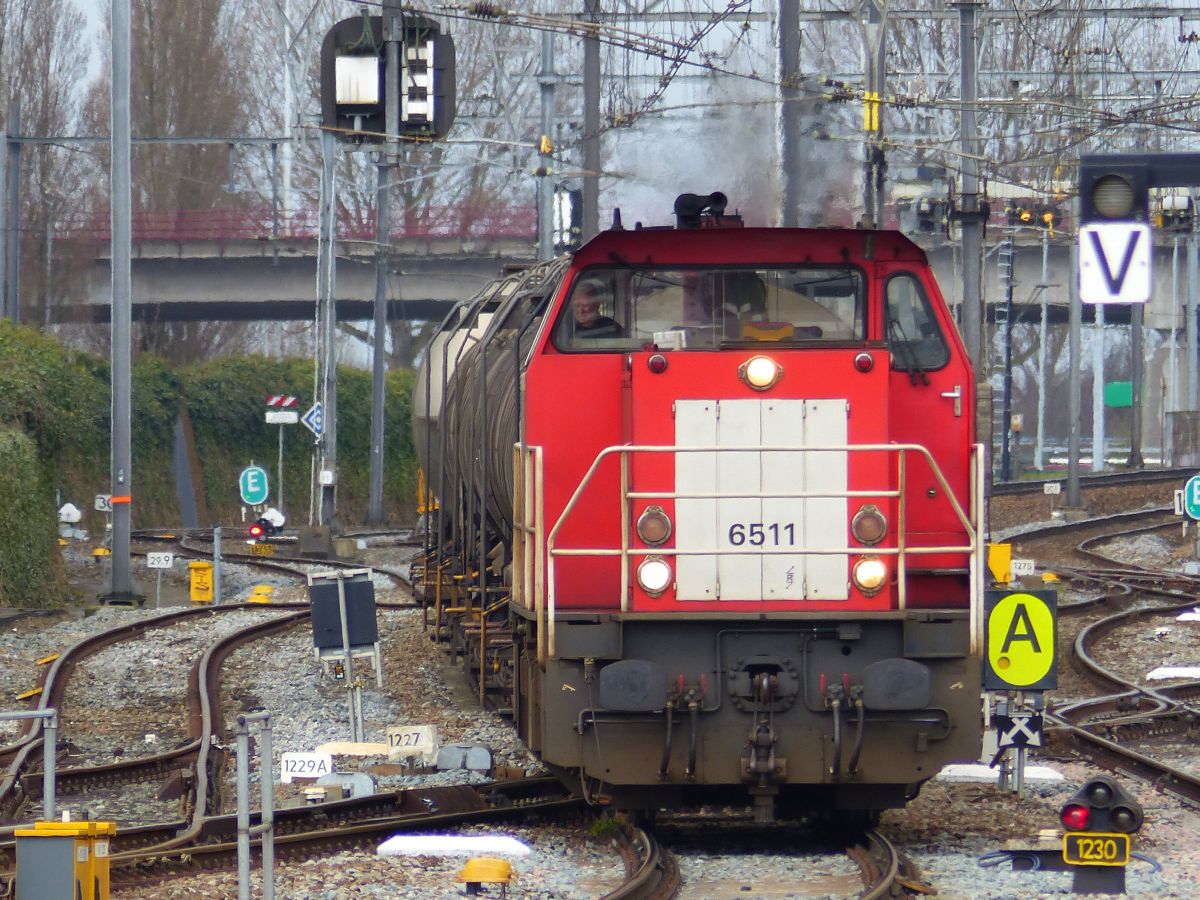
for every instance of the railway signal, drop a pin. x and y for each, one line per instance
(355, 86)
(1099, 820)
(267, 525)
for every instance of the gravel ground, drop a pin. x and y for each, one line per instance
(563, 864)
(945, 830)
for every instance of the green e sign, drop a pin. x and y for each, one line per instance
(253, 485)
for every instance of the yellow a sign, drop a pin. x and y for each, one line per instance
(1020, 640)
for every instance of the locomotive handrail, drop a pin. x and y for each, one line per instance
(972, 524)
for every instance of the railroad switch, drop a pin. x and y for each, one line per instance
(486, 870)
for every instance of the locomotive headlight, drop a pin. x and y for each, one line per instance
(869, 526)
(760, 372)
(654, 526)
(654, 575)
(869, 574)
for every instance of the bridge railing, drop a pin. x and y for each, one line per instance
(302, 224)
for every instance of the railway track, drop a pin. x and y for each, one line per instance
(1104, 728)
(360, 823)
(651, 871)
(1174, 475)
(194, 761)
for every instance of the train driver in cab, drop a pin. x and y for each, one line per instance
(588, 301)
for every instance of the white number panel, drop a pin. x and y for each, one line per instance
(749, 525)
(304, 765)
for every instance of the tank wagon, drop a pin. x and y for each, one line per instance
(710, 514)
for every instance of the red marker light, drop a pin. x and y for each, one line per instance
(657, 364)
(256, 530)
(1075, 817)
(864, 362)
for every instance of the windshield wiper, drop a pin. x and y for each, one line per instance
(908, 357)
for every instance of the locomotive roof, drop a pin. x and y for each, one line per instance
(746, 246)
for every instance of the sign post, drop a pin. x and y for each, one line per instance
(158, 562)
(1019, 666)
(282, 411)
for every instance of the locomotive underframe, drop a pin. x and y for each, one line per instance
(785, 709)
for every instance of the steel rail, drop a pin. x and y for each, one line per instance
(1132, 706)
(1098, 480)
(880, 863)
(1043, 530)
(652, 872)
(203, 723)
(53, 684)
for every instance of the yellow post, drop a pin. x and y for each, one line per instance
(201, 581)
(260, 593)
(1000, 562)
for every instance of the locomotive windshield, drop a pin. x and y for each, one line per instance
(687, 309)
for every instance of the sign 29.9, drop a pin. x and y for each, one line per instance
(759, 534)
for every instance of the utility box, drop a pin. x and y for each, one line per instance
(315, 541)
(64, 860)
(201, 574)
(345, 548)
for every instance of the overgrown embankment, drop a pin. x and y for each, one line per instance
(55, 408)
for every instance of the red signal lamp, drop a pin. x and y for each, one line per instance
(257, 530)
(1075, 817)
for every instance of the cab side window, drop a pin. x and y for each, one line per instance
(913, 333)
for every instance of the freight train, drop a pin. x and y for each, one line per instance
(708, 516)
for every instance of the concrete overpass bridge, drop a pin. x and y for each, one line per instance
(248, 265)
(245, 265)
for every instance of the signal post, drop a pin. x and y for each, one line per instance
(384, 79)
(1115, 253)
(1019, 667)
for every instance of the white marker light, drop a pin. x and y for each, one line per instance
(654, 575)
(869, 574)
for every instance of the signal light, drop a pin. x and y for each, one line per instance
(1102, 805)
(1038, 215)
(1075, 817)
(1113, 188)
(263, 528)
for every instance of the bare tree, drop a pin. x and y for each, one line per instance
(187, 82)
(41, 73)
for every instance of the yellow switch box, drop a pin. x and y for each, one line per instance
(64, 860)
(201, 573)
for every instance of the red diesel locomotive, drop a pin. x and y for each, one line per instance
(710, 514)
